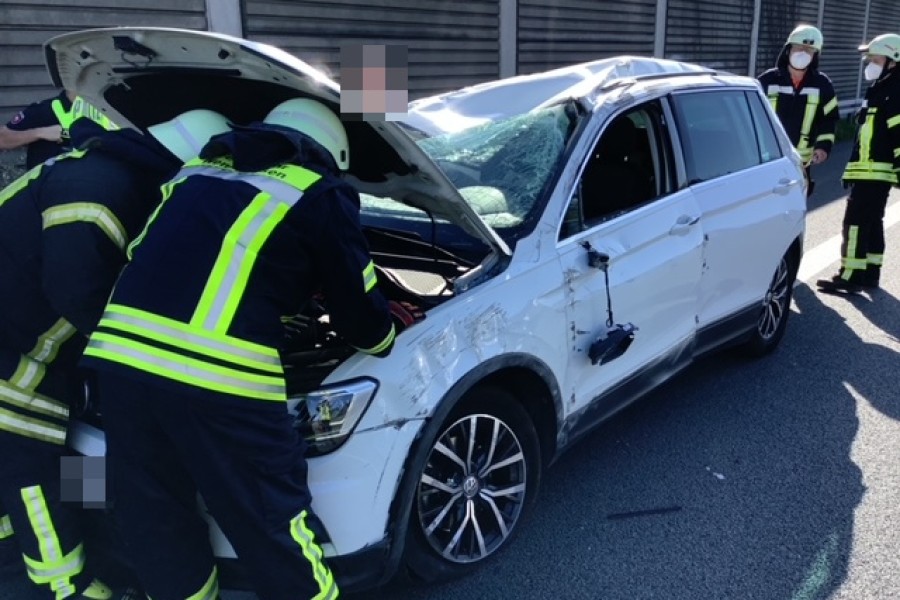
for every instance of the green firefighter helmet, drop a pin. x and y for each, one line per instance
(886, 44)
(186, 134)
(318, 122)
(806, 35)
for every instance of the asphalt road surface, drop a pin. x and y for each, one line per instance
(770, 479)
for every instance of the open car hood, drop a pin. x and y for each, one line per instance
(139, 76)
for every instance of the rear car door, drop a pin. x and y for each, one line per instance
(747, 191)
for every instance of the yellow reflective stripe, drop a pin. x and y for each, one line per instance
(81, 108)
(240, 248)
(32, 428)
(65, 118)
(832, 104)
(849, 262)
(825, 137)
(182, 335)
(88, 212)
(42, 524)
(14, 395)
(809, 115)
(893, 121)
(871, 171)
(313, 553)
(382, 345)
(58, 570)
(865, 136)
(49, 342)
(805, 153)
(369, 276)
(166, 190)
(210, 589)
(6, 528)
(875, 259)
(896, 152)
(185, 369)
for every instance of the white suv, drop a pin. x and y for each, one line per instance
(575, 238)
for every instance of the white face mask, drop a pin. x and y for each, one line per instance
(873, 71)
(800, 60)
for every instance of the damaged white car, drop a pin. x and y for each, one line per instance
(575, 238)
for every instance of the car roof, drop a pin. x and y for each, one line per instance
(585, 82)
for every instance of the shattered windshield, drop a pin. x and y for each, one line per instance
(501, 167)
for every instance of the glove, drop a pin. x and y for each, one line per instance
(404, 314)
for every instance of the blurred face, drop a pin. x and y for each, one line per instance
(876, 59)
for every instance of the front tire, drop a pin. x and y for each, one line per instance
(479, 480)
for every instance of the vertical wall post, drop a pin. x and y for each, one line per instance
(821, 18)
(754, 37)
(509, 31)
(224, 16)
(865, 38)
(659, 41)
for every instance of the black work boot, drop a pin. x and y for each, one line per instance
(838, 285)
(871, 278)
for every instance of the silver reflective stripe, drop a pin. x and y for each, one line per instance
(48, 343)
(183, 369)
(87, 212)
(277, 189)
(64, 569)
(811, 92)
(182, 336)
(12, 422)
(243, 249)
(779, 89)
(15, 396)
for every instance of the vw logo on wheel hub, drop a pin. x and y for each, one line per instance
(471, 486)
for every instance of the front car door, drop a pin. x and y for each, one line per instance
(626, 206)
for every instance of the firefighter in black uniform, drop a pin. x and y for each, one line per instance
(43, 127)
(803, 97)
(187, 353)
(64, 226)
(871, 171)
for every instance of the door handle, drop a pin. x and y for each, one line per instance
(683, 224)
(784, 186)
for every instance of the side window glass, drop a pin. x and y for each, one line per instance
(717, 133)
(765, 134)
(629, 166)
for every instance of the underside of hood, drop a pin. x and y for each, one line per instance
(140, 76)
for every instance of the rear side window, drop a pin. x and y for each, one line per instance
(765, 134)
(717, 133)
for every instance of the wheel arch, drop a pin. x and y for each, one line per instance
(531, 381)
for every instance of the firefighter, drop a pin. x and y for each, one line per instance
(64, 226)
(871, 171)
(43, 127)
(803, 97)
(187, 353)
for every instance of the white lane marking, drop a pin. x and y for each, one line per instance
(828, 253)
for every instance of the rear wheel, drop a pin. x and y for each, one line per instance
(479, 479)
(776, 308)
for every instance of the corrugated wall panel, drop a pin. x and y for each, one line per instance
(714, 34)
(777, 19)
(842, 28)
(556, 33)
(26, 24)
(451, 43)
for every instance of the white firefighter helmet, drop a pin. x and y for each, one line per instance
(185, 135)
(886, 44)
(318, 122)
(806, 35)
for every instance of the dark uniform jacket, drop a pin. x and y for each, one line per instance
(245, 235)
(64, 227)
(41, 114)
(808, 113)
(876, 153)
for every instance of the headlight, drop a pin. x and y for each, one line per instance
(327, 417)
